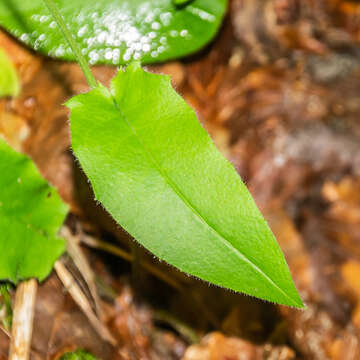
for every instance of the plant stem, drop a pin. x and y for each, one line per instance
(72, 42)
(115, 250)
(22, 325)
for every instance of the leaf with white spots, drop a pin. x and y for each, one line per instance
(117, 31)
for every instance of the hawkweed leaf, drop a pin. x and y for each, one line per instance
(158, 173)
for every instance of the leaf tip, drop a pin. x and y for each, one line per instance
(294, 299)
(298, 303)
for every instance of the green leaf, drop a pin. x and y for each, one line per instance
(157, 172)
(9, 81)
(31, 213)
(78, 355)
(181, 2)
(116, 31)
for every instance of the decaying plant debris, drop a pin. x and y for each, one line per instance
(279, 91)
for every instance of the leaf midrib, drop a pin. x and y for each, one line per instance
(184, 199)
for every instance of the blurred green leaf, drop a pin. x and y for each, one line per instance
(31, 213)
(78, 355)
(9, 81)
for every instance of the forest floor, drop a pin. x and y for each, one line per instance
(279, 92)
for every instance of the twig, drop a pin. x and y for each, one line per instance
(6, 313)
(135, 267)
(5, 331)
(23, 320)
(115, 250)
(184, 330)
(76, 293)
(77, 255)
(95, 243)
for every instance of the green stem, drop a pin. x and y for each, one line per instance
(71, 41)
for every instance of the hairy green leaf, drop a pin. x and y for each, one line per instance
(116, 31)
(31, 213)
(78, 355)
(9, 81)
(157, 172)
